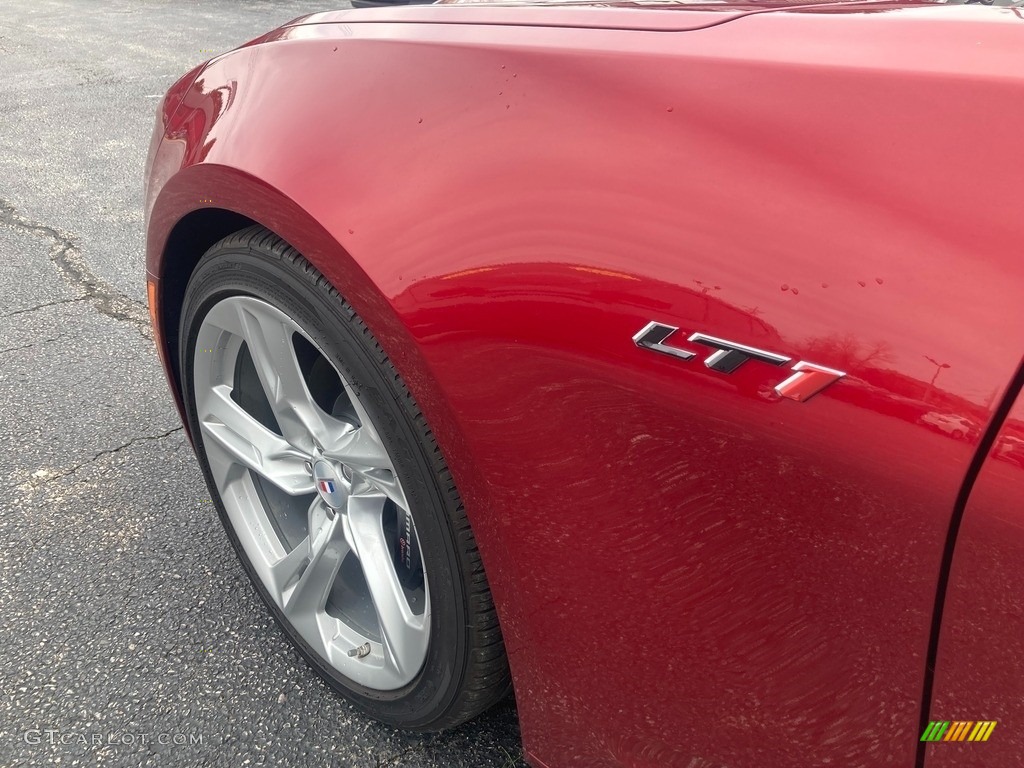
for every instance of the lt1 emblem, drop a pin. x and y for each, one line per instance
(807, 379)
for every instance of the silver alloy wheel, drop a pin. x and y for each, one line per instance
(311, 493)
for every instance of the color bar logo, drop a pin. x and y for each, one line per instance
(958, 730)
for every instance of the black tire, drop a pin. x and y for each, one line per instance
(466, 670)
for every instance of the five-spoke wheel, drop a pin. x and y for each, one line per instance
(311, 492)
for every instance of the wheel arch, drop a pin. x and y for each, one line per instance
(203, 203)
(181, 232)
(190, 238)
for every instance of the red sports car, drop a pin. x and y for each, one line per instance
(589, 349)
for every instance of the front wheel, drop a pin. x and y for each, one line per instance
(333, 491)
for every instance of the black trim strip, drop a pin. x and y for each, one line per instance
(988, 439)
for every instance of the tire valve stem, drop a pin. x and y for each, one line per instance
(361, 651)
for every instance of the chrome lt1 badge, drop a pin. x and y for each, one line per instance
(807, 379)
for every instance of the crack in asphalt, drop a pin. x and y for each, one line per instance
(29, 346)
(64, 253)
(15, 349)
(35, 483)
(41, 306)
(68, 259)
(39, 482)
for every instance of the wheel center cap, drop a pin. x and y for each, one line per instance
(331, 490)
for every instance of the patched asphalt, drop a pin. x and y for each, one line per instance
(129, 634)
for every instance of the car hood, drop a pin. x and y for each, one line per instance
(661, 15)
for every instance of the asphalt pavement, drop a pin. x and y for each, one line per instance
(129, 634)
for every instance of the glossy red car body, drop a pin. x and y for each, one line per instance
(689, 570)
